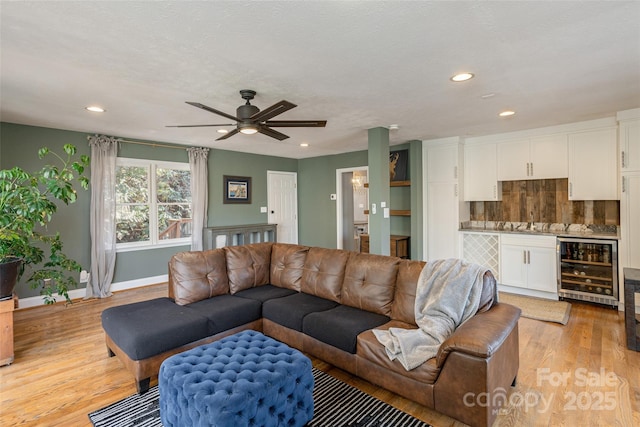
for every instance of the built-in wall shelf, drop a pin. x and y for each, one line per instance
(394, 184)
(394, 212)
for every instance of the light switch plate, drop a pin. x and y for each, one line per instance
(263, 209)
(334, 197)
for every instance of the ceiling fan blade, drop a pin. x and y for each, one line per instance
(228, 134)
(212, 110)
(197, 126)
(274, 110)
(272, 133)
(297, 123)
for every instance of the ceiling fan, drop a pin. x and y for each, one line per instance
(249, 119)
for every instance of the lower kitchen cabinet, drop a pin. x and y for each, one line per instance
(529, 262)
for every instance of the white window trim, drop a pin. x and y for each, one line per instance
(151, 166)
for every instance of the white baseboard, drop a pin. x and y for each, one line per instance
(82, 292)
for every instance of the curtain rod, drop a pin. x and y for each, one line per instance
(153, 144)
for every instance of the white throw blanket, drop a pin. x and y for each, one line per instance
(447, 294)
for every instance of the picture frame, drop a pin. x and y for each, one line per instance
(398, 165)
(237, 189)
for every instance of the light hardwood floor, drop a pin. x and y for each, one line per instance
(569, 375)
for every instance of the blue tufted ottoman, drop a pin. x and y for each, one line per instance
(246, 379)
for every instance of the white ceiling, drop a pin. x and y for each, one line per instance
(356, 64)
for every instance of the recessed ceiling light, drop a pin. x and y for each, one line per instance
(95, 109)
(394, 127)
(487, 95)
(223, 131)
(461, 77)
(507, 113)
(304, 144)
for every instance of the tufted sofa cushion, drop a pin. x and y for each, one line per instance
(195, 276)
(323, 273)
(248, 265)
(403, 307)
(287, 262)
(369, 282)
(242, 380)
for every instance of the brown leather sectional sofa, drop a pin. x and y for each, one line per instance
(323, 302)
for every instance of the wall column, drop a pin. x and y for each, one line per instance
(415, 175)
(379, 193)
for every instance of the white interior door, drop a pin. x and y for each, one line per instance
(282, 199)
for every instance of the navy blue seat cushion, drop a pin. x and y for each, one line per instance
(227, 311)
(265, 292)
(290, 311)
(145, 329)
(341, 326)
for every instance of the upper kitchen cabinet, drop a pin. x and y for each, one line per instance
(593, 165)
(480, 173)
(629, 136)
(541, 157)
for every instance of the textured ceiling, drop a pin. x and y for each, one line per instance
(356, 64)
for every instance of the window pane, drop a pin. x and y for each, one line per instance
(174, 221)
(132, 223)
(131, 184)
(174, 186)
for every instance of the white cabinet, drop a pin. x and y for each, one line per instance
(529, 262)
(541, 157)
(445, 208)
(630, 220)
(593, 165)
(630, 145)
(480, 173)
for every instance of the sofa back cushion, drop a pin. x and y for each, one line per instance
(195, 276)
(323, 273)
(403, 307)
(248, 265)
(369, 282)
(287, 262)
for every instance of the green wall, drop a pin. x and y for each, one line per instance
(316, 182)
(19, 145)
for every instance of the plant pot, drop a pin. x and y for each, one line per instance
(9, 277)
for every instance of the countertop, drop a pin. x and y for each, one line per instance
(591, 231)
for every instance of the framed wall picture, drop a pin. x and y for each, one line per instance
(398, 165)
(237, 189)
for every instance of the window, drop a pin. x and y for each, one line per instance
(153, 203)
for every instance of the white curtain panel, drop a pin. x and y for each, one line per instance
(199, 193)
(104, 150)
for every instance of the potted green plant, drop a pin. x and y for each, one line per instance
(27, 205)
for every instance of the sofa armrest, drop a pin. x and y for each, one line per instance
(481, 335)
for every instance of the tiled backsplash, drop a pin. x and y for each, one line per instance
(548, 201)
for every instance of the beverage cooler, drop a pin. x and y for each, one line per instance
(588, 270)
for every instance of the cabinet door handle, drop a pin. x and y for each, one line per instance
(571, 189)
(524, 253)
(528, 257)
(455, 190)
(527, 169)
(495, 191)
(455, 172)
(622, 158)
(623, 186)
(531, 168)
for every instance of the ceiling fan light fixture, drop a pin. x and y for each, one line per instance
(507, 113)
(223, 131)
(248, 128)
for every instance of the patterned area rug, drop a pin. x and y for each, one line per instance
(336, 404)
(539, 308)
